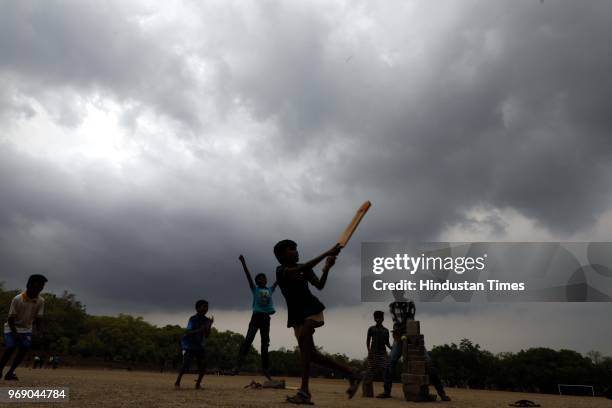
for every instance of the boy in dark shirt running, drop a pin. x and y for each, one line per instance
(377, 343)
(260, 320)
(305, 312)
(193, 342)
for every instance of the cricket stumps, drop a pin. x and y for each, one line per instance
(415, 377)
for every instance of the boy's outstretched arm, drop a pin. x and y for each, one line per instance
(246, 272)
(320, 283)
(274, 286)
(297, 270)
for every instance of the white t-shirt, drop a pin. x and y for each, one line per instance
(25, 310)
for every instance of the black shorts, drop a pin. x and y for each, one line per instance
(199, 355)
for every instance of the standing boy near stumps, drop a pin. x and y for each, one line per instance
(25, 313)
(263, 308)
(305, 312)
(193, 342)
(377, 342)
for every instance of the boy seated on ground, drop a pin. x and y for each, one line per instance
(263, 308)
(305, 312)
(193, 342)
(25, 314)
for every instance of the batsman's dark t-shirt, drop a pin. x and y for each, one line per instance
(380, 339)
(300, 302)
(195, 341)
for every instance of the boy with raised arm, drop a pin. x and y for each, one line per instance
(263, 308)
(193, 342)
(25, 313)
(305, 312)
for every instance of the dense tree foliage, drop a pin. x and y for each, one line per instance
(126, 341)
(131, 342)
(534, 370)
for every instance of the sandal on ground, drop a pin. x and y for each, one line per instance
(301, 398)
(383, 395)
(354, 385)
(524, 403)
(11, 377)
(445, 397)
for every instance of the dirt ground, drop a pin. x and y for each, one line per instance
(113, 388)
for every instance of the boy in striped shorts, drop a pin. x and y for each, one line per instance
(377, 343)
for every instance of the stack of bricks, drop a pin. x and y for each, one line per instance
(415, 379)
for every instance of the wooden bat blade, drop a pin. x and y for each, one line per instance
(350, 229)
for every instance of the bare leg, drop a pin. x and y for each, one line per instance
(310, 355)
(201, 369)
(5, 357)
(177, 383)
(186, 363)
(306, 344)
(328, 362)
(21, 352)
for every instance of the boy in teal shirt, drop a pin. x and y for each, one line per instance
(260, 320)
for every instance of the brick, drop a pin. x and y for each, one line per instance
(414, 348)
(416, 393)
(415, 339)
(418, 367)
(415, 379)
(415, 342)
(414, 355)
(413, 327)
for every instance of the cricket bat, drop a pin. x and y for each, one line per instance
(350, 229)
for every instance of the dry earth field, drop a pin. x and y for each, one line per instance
(113, 388)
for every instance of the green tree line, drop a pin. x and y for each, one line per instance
(130, 342)
(537, 369)
(127, 341)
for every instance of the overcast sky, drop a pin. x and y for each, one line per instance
(145, 145)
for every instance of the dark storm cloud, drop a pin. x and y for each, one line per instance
(484, 105)
(53, 48)
(120, 247)
(508, 107)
